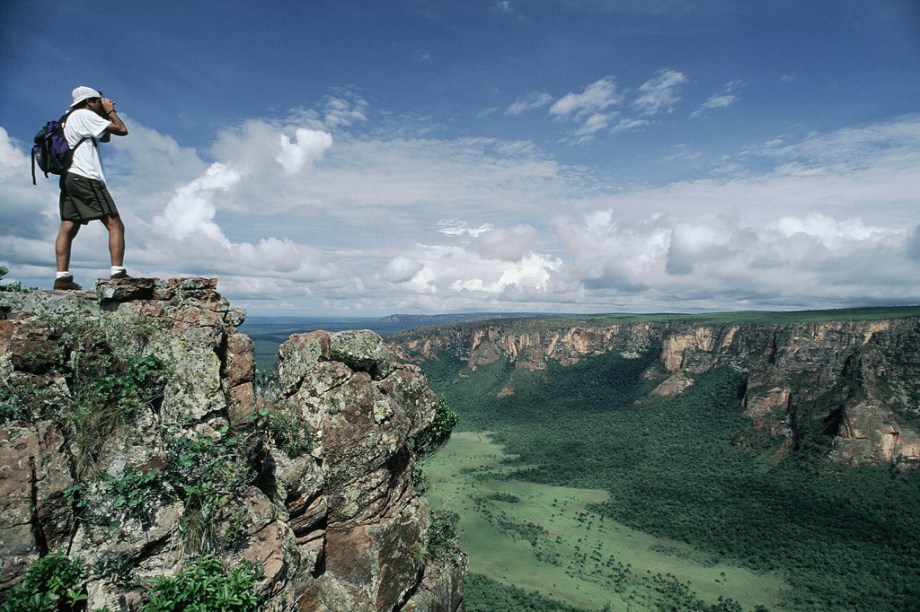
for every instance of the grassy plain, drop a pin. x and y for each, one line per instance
(843, 538)
(546, 538)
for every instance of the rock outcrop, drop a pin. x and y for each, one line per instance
(133, 438)
(860, 377)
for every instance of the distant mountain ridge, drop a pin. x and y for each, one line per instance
(407, 321)
(855, 373)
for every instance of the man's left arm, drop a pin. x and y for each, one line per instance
(116, 125)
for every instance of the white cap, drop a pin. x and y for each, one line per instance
(84, 93)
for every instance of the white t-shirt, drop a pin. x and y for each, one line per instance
(81, 123)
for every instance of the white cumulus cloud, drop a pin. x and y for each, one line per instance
(192, 209)
(510, 244)
(304, 148)
(394, 221)
(400, 269)
(532, 272)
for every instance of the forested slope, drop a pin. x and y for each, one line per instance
(693, 467)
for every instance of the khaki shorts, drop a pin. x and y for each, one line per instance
(84, 199)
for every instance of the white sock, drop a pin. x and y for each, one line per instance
(63, 274)
(117, 269)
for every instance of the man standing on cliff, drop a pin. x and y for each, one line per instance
(84, 196)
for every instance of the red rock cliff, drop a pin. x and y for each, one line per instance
(200, 463)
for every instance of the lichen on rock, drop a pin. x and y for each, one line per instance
(312, 486)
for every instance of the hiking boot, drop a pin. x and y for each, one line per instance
(122, 274)
(65, 283)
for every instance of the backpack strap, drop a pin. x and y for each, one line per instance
(63, 122)
(81, 141)
(69, 154)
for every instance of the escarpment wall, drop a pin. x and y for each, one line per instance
(336, 525)
(865, 375)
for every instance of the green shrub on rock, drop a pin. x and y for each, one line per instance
(436, 435)
(14, 286)
(206, 473)
(53, 582)
(442, 535)
(205, 585)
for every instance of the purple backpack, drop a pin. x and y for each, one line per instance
(51, 151)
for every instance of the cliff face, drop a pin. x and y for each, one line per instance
(859, 378)
(134, 439)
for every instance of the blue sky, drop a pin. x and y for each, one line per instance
(365, 158)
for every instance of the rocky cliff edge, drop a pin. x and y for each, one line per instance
(134, 438)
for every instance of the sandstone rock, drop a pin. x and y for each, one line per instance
(337, 528)
(364, 407)
(124, 290)
(35, 516)
(240, 361)
(442, 586)
(673, 385)
(239, 374)
(787, 365)
(870, 435)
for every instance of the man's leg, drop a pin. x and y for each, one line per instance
(63, 243)
(66, 234)
(116, 239)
